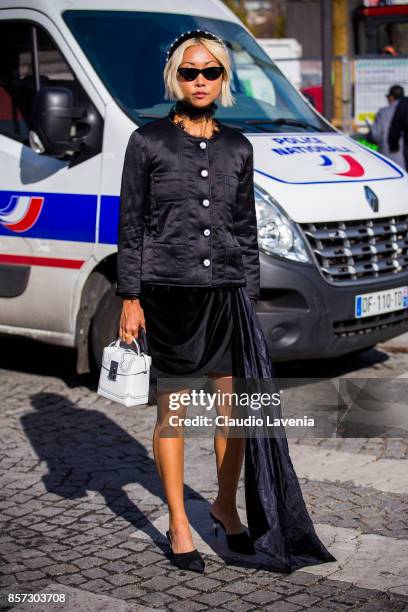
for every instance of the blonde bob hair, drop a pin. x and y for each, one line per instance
(220, 53)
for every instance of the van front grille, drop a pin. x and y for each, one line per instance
(362, 249)
(369, 325)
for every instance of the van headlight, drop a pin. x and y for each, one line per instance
(277, 233)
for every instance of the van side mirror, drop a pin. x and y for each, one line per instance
(59, 128)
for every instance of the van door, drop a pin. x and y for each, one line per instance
(48, 206)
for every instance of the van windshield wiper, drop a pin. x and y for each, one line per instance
(285, 121)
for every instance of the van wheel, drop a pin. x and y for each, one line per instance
(105, 323)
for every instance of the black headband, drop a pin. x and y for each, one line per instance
(191, 34)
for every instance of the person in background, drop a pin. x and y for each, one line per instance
(399, 130)
(380, 129)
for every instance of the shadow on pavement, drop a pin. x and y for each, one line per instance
(87, 451)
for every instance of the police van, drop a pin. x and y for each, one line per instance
(77, 77)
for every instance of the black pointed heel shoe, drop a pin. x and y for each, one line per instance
(191, 560)
(237, 542)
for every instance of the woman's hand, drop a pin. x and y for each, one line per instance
(131, 320)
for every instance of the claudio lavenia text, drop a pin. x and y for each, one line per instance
(222, 420)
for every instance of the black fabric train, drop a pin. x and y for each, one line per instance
(187, 210)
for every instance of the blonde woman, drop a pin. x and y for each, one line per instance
(188, 273)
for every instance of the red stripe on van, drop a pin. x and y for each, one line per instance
(30, 217)
(41, 261)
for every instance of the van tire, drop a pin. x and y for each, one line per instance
(95, 288)
(105, 323)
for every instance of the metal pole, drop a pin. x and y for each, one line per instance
(326, 19)
(34, 58)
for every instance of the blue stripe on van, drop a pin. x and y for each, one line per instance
(64, 216)
(109, 219)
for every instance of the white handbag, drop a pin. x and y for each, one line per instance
(125, 374)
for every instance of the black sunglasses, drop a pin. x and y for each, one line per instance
(212, 73)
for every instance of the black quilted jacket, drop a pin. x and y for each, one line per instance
(187, 210)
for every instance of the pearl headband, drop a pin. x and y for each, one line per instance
(191, 34)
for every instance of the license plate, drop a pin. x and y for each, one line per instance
(378, 302)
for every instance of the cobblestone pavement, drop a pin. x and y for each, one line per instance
(82, 510)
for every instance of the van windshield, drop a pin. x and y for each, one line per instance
(128, 50)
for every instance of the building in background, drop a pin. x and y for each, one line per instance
(286, 53)
(370, 49)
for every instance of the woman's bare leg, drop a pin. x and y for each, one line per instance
(229, 453)
(168, 450)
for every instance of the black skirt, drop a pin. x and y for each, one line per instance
(191, 331)
(188, 329)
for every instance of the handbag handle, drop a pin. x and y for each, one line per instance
(141, 343)
(118, 341)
